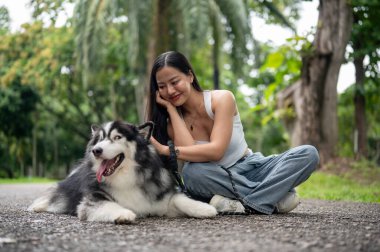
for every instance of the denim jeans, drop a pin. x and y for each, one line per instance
(260, 181)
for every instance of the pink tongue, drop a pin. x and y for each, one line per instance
(103, 167)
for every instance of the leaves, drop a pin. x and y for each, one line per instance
(4, 20)
(274, 60)
(16, 106)
(365, 38)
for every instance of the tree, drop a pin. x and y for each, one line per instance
(365, 41)
(17, 105)
(4, 20)
(156, 26)
(317, 114)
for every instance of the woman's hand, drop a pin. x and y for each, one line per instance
(162, 101)
(159, 147)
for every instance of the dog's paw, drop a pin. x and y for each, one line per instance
(125, 217)
(106, 211)
(192, 208)
(204, 210)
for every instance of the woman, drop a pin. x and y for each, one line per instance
(207, 133)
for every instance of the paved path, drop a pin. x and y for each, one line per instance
(314, 226)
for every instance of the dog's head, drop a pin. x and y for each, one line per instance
(114, 144)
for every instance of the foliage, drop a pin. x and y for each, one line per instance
(280, 12)
(4, 20)
(365, 55)
(43, 57)
(346, 117)
(16, 106)
(280, 69)
(365, 35)
(189, 22)
(49, 11)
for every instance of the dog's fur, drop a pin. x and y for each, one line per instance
(138, 186)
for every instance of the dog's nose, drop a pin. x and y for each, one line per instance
(97, 151)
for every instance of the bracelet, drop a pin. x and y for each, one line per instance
(173, 151)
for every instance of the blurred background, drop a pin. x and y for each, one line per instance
(303, 72)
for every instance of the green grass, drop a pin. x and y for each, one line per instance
(26, 180)
(321, 185)
(327, 186)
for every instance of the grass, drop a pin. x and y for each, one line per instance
(343, 179)
(26, 180)
(322, 185)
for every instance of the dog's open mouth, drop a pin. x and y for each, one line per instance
(108, 166)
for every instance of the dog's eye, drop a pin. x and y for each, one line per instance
(117, 137)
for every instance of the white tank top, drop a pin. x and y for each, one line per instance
(238, 146)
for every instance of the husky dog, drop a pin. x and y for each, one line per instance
(120, 179)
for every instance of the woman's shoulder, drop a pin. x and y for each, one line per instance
(222, 95)
(222, 99)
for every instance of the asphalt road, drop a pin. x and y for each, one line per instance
(314, 226)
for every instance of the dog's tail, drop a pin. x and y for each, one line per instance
(42, 203)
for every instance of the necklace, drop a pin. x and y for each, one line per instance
(188, 123)
(197, 114)
(191, 122)
(191, 125)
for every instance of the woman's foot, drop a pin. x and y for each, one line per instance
(288, 203)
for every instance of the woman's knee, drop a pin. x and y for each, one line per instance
(312, 155)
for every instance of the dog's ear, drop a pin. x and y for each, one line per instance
(146, 129)
(94, 129)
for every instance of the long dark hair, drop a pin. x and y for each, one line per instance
(156, 112)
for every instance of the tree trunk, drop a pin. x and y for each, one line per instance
(215, 50)
(159, 42)
(359, 101)
(216, 68)
(319, 77)
(34, 149)
(163, 14)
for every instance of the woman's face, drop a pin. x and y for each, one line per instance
(173, 85)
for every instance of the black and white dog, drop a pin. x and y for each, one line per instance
(120, 178)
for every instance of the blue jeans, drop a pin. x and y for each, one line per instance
(260, 181)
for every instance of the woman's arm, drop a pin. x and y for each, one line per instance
(224, 110)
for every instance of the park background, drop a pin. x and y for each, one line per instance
(71, 64)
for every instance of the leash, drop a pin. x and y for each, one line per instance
(174, 169)
(173, 165)
(247, 209)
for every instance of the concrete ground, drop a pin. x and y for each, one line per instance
(315, 225)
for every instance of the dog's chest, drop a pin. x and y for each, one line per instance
(136, 200)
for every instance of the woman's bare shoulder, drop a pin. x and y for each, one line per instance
(222, 96)
(223, 99)
(222, 93)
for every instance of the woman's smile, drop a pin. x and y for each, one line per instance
(175, 97)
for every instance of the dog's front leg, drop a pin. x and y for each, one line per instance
(104, 211)
(180, 204)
